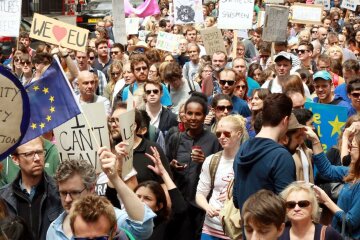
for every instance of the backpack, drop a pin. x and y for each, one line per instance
(229, 215)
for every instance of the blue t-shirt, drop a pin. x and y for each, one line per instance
(165, 99)
(341, 91)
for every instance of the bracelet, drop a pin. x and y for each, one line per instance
(314, 143)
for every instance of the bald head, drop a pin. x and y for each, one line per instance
(87, 83)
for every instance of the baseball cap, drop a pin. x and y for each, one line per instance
(281, 55)
(294, 123)
(323, 75)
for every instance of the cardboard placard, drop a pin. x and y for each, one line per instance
(132, 25)
(10, 12)
(14, 112)
(119, 22)
(276, 20)
(325, 3)
(261, 19)
(59, 33)
(274, 1)
(349, 4)
(167, 41)
(213, 40)
(142, 35)
(235, 14)
(306, 13)
(74, 139)
(188, 11)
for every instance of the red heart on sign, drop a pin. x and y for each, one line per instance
(59, 32)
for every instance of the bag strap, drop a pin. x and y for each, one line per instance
(270, 84)
(128, 234)
(176, 145)
(213, 166)
(323, 232)
(343, 225)
(230, 189)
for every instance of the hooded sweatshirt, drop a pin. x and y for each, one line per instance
(261, 163)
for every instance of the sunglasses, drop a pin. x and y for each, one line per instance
(16, 59)
(220, 133)
(138, 69)
(300, 51)
(313, 31)
(355, 95)
(114, 52)
(155, 91)
(228, 82)
(115, 74)
(241, 86)
(301, 204)
(91, 58)
(222, 108)
(25, 62)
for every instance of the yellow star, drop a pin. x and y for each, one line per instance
(48, 118)
(52, 109)
(337, 125)
(36, 88)
(33, 125)
(51, 99)
(45, 90)
(42, 125)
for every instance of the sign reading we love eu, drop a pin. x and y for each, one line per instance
(59, 33)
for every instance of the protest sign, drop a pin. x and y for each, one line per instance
(132, 25)
(325, 3)
(188, 11)
(76, 137)
(235, 14)
(275, 26)
(119, 22)
(127, 130)
(14, 112)
(242, 33)
(59, 33)
(350, 4)
(142, 35)
(10, 12)
(306, 13)
(213, 40)
(274, 1)
(167, 41)
(328, 121)
(261, 19)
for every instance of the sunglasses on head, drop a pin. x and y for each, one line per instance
(222, 108)
(228, 82)
(301, 204)
(155, 91)
(220, 133)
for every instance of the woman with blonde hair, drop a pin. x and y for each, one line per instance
(336, 53)
(229, 132)
(115, 74)
(302, 211)
(304, 35)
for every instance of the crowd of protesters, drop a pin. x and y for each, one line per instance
(207, 127)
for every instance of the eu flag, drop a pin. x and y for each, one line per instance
(51, 102)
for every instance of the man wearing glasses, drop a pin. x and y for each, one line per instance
(32, 195)
(305, 51)
(117, 52)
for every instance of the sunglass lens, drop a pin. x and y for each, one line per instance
(303, 203)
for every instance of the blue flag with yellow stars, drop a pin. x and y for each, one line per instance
(328, 121)
(51, 102)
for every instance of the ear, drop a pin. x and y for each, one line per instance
(286, 120)
(142, 131)
(284, 140)
(281, 229)
(15, 159)
(159, 207)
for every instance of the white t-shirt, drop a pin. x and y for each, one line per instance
(305, 165)
(180, 95)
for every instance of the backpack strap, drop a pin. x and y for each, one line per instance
(213, 166)
(175, 145)
(270, 84)
(128, 234)
(131, 88)
(323, 232)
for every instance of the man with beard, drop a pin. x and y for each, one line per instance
(219, 60)
(294, 140)
(140, 68)
(103, 61)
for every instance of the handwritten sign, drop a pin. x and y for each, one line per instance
(328, 121)
(127, 130)
(142, 34)
(74, 139)
(14, 112)
(167, 41)
(119, 21)
(235, 14)
(260, 19)
(306, 13)
(325, 3)
(275, 27)
(10, 11)
(188, 11)
(350, 4)
(132, 25)
(59, 33)
(213, 40)
(274, 1)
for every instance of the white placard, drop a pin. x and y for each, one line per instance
(132, 25)
(74, 139)
(119, 21)
(235, 14)
(188, 11)
(10, 11)
(167, 41)
(325, 3)
(350, 4)
(306, 13)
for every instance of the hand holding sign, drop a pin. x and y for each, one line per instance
(109, 163)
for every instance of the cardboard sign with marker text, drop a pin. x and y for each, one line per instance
(59, 33)
(10, 12)
(306, 13)
(275, 26)
(213, 40)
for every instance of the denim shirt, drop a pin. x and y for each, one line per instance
(140, 230)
